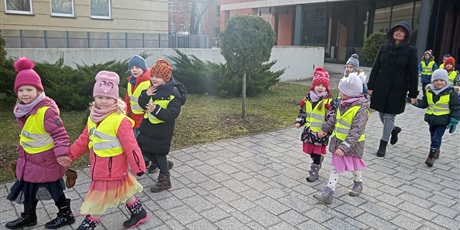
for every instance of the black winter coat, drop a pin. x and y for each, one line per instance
(156, 138)
(454, 107)
(394, 75)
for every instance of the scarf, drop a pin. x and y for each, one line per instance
(21, 110)
(350, 100)
(437, 91)
(314, 97)
(97, 115)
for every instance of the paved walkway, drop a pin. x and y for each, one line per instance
(258, 182)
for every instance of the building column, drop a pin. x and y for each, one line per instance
(298, 25)
(423, 26)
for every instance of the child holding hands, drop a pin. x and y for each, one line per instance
(313, 112)
(109, 137)
(443, 111)
(347, 140)
(43, 139)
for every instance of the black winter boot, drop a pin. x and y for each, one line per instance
(138, 214)
(163, 183)
(88, 223)
(382, 148)
(431, 157)
(28, 218)
(394, 135)
(64, 216)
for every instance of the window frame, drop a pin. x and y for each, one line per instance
(62, 14)
(101, 17)
(31, 12)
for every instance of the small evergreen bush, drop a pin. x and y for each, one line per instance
(217, 79)
(71, 88)
(372, 45)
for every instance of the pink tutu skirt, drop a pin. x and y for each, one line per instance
(347, 163)
(106, 194)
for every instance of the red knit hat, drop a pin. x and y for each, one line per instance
(449, 60)
(26, 75)
(320, 76)
(162, 69)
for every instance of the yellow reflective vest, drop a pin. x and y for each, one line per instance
(33, 137)
(103, 137)
(427, 69)
(315, 117)
(163, 104)
(452, 75)
(441, 107)
(134, 97)
(343, 123)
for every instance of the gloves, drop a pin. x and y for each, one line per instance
(140, 174)
(70, 177)
(452, 125)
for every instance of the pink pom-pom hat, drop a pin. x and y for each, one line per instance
(26, 74)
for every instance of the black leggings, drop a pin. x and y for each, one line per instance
(160, 160)
(316, 158)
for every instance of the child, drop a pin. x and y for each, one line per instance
(43, 138)
(162, 101)
(426, 68)
(109, 137)
(454, 77)
(444, 60)
(443, 111)
(138, 81)
(348, 134)
(313, 112)
(352, 66)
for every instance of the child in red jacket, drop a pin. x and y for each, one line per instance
(138, 80)
(109, 137)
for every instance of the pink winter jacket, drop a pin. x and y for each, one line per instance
(111, 168)
(43, 167)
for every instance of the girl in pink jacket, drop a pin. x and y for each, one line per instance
(109, 137)
(43, 138)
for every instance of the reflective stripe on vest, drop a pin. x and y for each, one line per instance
(134, 97)
(163, 104)
(103, 137)
(441, 107)
(33, 137)
(427, 69)
(343, 123)
(452, 76)
(315, 117)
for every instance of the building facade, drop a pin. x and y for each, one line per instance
(84, 23)
(341, 26)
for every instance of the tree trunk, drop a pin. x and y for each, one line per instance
(193, 21)
(243, 97)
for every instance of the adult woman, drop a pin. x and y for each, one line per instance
(392, 79)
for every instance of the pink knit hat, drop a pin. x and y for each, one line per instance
(26, 75)
(106, 84)
(320, 76)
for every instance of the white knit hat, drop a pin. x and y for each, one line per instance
(351, 86)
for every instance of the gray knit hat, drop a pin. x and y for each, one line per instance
(354, 60)
(440, 74)
(137, 61)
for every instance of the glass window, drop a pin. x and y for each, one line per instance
(101, 9)
(62, 8)
(181, 26)
(172, 6)
(19, 6)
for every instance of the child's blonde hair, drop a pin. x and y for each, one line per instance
(121, 106)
